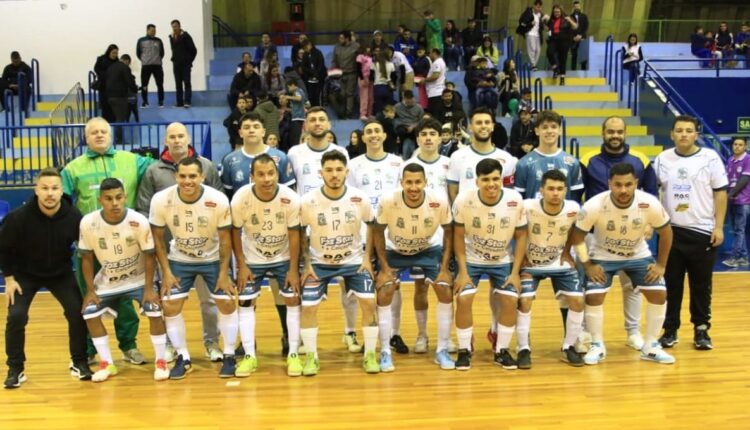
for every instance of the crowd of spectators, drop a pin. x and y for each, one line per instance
(721, 45)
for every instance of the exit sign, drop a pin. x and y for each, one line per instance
(743, 124)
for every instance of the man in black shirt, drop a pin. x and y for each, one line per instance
(579, 37)
(183, 55)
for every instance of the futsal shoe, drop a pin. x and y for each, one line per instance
(350, 340)
(228, 366)
(463, 361)
(596, 354)
(213, 353)
(505, 360)
(657, 354)
(386, 362)
(293, 365)
(669, 339)
(105, 371)
(81, 370)
(134, 356)
(161, 370)
(422, 344)
(635, 341)
(570, 356)
(398, 345)
(583, 342)
(370, 363)
(246, 367)
(312, 365)
(181, 368)
(15, 378)
(701, 339)
(524, 359)
(444, 360)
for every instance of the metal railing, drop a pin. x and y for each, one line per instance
(574, 148)
(538, 94)
(35, 90)
(714, 64)
(71, 109)
(10, 107)
(93, 95)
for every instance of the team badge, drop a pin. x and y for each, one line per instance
(400, 223)
(349, 217)
(238, 176)
(476, 222)
(504, 222)
(682, 173)
(322, 219)
(428, 222)
(305, 169)
(202, 221)
(365, 180)
(469, 174)
(536, 229)
(610, 226)
(637, 222)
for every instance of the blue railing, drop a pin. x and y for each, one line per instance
(35, 90)
(10, 107)
(93, 95)
(547, 103)
(575, 148)
(716, 64)
(673, 98)
(538, 94)
(613, 73)
(609, 56)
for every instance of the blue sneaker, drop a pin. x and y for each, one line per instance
(656, 353)
(227, 366)
(597, 353)
(443, 358)
(386, 362)
(181, 368)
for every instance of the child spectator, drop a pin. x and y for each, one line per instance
(422, 66)
(232, 122)
(297, 100)
(132, 92)
(366, 96)
(632, 55)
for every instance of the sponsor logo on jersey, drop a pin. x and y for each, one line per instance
(176, 221)
(571, 214)
(322, 219)
(115, 235)
(349, 217)
(428, 222)
(643, 205)
(210, 204)
(504, 222)
(254, 219)
(512, 204)
(476, 222)
(130, 241)
(285, 201)
(202, 221)
(134, 224)
(400, 223)
(682, 173)
(682, 207)
(355, 200)
(536, 229)
(434, 205)
(279, 217)
(102, 243)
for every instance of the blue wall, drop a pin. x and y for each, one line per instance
(718, 101)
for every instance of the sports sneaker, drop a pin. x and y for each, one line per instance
(492, 337)
(284, 345)
(596, 354)
(452, 346)
(293, 365)
(505, 360)
(170, 354)
(422, 344)
(741, 262)
(657, 354)
(701, 339)
(105, 371)
(161, 370)
(350, 340)
(213, 353)
(583, 342)
(444, 360)
(15, 378)
(524, 359)
(463, 361)
(187, 106)
(247, 366)
(227, 366)
(134, 356)
(144, 105)
(81, 370)
(386, 362)
(370, 363)
(181, 368)
(669, 339)
(730, 262)
(635, 341)
(312, 365)
(397, 343)
(570, 356)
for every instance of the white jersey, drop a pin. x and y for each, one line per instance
(463, 164)
(119, 248)
(335, 225)
(375, 177)
(489, 230)
(399, 59)
(413, 230)
(265, 224)
(194, 226)
(548, 233)
(687, 187)
(305, 163)
(435, 88)
(436, 172)
(618, 232)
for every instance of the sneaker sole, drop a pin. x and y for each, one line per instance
(570, 363)
(387, 369)
(669, 344)
(21, 380)
(131, 361)
(506, 367)
(80, 377)
(524, 366)
(309, 374)
(177, 378)
(703, 347)
(225, 376)
(645, 358)
(463, 368)
(593, 363)
(293, 374)
(243, 375)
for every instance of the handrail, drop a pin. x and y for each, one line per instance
(93, 96)
(547, 103)
(618, 72)
(538, 94)
(35, 82)
(222, 25)
(575, 147)
(509, 46)
(10, 107)
(525, 75)
(680, 104)
(609, 46)
(716, 61)
(23, 96)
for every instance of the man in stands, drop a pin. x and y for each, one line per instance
(183, 55)
(264, 47)
(435, 82)
(344, 58)
(408, 115)
(150, 50)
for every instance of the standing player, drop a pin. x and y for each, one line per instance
(694, 192)
(487, 220)
(412, 216)
(619, 218)
(550, 219)
(265, 239)
(335, 213)
(200, 224)
(121, 240)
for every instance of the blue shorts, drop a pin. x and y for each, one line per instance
(564, 281)
(358, 283)
(636, 271)
(187, 273)
(109, 304)
(261, 272)
(497, 275)
(425, 265)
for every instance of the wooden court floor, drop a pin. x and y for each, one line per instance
(708, 390)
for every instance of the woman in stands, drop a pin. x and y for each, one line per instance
(509, 86)
(110, 57)
(356, 147)
(274, 83)
(364, 64)
(561, 31)
(246, 58)
(632, 55)
(489, 51)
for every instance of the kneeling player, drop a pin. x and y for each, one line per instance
(486, 221)
(548, 256)
(619, 218)
(121, 240)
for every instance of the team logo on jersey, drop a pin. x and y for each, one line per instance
(572, 214)
(512, 204)
(682, 207)
(175, 220)
(568, 160)
(202, 221)
(365, 180)
(305, 169)
(610, 225)
(254, 219)
(102, 243)
(279, 217)
(564, 230)
(210, 204)
(637, 222)
(285, 201)
(476, 222)
(349, 217)
(469, 174)
(400, 223)
(434, 205)
(682, 173)
(504, 221)
(428, 222)
(322, 219)
(539, 175)
(536, 229)
(130, 241)
(239, 177)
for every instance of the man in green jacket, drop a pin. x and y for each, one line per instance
(81, 179)
(433, 29)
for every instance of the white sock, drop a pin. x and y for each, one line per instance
(655, 315)
(464, 337)
(396, 313)
(595, 322)
(350, 306)
(102, 348)
(494, 307)
(160, 345)
(504, 335)
(292, 324)
(573, 327)
(228, 326)
(371, 337)
(523, 326)
(444, 321)
(246, 321)
(385, 319)
(310, 339)
(421, 322)
(176, 332)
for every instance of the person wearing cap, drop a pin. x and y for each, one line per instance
(523, 137)
(378, 41)
(433, 32)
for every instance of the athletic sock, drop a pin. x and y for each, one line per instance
(573, 327)
(292, 324)
(160, 345)
(370, 334)
(350, 306)
(444, 321)
(464, 337)
(504, 335)
(655, 315)
(421, 322)
(523, 327)
(396, 313)
(385, 319)
(595, 322)
(102, 348)
(246, 321)
(281, 310)
(176, 332)
(494, 307)
(310, 339)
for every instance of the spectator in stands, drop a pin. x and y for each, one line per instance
(264, 47)
(422, 64)
(150, 51)
(110, 57)
(452, 41)
(246, 58)
(433, 32)
(404, 70)
(526, 102)
(509, 86)
(742, 43)
(273, 83)
(272, 140)
(285, 123)
(344, 58)
(725, 42)
(561, 30)
(365, 82)
(244, 83)
(499, 135)
(298, 63)
(313, 72)
(435, 81)
(449, 111)
(383, 80)
(456, 95)
(356, 147)
(701, 46)
(119, 81)
(132, 92)
(387, 120)
(297, 101)
(297, 46)
(406, 45)
(10, 77)
(183, 55)
(485, 79)
(632, 55)
(268, 112)
(331, 138)
(579, 36)
(489, 51)
(377, 41)
(530, 27)
(471, 39)
(232, 122)
(473, 75)
(738, 173)
(271, 59)
(711, 46)
(408, 115)
(523, 138)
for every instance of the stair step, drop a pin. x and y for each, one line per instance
(36, 121)
(31, 142)
(49, 106)
(649, 151)
(22, 164)
(572, 120)
(596, 130)
(596, 141)
(571, 81)
(582, 97)
(573, 112)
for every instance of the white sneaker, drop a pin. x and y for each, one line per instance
(161, 370)
(597, 353)
(583, 343)
(104, 372)
(657, 354)
(422, 345)
(635, 341)
(213, 353)
(170, 354)
(452, 348)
